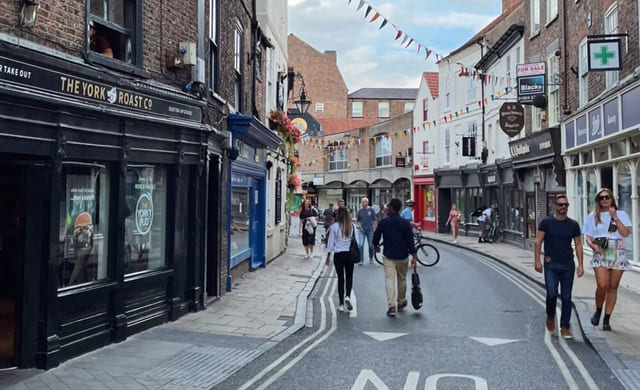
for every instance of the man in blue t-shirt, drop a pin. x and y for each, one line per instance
(407, 213)
(557, 231)
(367, 223)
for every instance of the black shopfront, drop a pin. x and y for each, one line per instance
(540, 175)
(102, 189)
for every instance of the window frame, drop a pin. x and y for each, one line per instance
(214, 28)
(384, 152)
(134, 31)
(238, 45)
(553, 105)
(354, 112)
(583, 73)
(534, 17)
(411, 105)
(319, 107)
(552, 11)
(381, 108)
(338, 164)
(425, 109)
(612, 77)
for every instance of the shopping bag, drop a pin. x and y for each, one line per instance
(416, 291)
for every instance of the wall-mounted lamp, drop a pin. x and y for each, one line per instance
(302, 104)
(28, 12)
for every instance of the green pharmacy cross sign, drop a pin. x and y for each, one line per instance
(604, 54)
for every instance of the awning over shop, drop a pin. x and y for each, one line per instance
(251, 131)
(424, 180)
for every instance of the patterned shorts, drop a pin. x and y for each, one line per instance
(614, 257)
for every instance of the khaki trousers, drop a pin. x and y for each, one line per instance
(395, 270)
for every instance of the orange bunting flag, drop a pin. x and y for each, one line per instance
(376, 16)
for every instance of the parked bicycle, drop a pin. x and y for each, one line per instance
(427, 254)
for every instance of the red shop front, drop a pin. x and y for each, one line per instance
(424, 192)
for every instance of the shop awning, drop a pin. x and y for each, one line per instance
(251, 131)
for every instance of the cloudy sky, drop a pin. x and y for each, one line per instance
(369, 57)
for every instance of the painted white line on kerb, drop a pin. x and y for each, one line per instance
(274, 364)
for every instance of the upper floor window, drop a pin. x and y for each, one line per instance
(583, 72)
(611, 27)
(552, 10)
(115, 29)
(319, 107)
(535, 17)
(408, 106)
(338, 160)
(213, 44)
(447, 146)
(553, 105)
(384, 150)
(383, 109)
(237, 64)
(356, 109)
(425, 109)
(471, 88)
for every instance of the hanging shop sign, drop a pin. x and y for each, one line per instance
(604, 54)
(401, 162)
(511, 118)
(531, 81)
(39, 78)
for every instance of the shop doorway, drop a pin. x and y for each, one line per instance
(12, 240)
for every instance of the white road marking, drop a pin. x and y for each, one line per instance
(432, 382)
(492, 342)
(294, 361)
(354, 302)
(315, 334)
(538, 297)
(384, 336)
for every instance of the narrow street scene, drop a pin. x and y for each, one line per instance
(315, 194)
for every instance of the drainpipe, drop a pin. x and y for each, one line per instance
(565, 79)
(254, 43)
(484, 146)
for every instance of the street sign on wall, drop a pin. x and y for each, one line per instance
(531, 81)
(604, 54)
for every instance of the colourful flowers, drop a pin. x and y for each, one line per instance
(289, 133)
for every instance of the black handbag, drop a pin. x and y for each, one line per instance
(416, 291)
(354, 252)
(602, 242)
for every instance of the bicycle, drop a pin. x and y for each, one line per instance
(427, 254)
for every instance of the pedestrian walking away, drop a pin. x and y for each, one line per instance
(308, 225)
(338, 242)
(604, 229)
(366, 218)
(557, 231)
(397, 234)
(329, 216)
(454, 220)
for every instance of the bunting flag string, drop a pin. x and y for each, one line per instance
(407, 41)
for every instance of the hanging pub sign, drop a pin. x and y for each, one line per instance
(604, 54)
(38, 78)
(511, 118)
(469, 146)
(401, 162)
(531, 81)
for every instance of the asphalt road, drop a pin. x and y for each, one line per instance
(481, 327)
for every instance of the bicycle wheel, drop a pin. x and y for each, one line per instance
(428, 255)
(378, 255)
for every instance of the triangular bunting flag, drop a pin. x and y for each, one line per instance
(398, 34)
(376, 16)
(369, 8)
(360, 5)
(384, 23)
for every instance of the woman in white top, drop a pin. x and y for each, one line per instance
(338, 242)
(604, 230)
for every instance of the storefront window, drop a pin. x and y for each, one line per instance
(460, 201)
(513, 211)
(83, 229)
(145, 218)
(381, 196)
(475, 202)
(402, 189)
(580, 207)
(602, 154)
(592, 187)
(531, 215)
(624, 202)
(429, 202)
(240, 218)
(618, 149)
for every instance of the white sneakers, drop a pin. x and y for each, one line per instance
(341, 308)
(347, 302)
(454, 241)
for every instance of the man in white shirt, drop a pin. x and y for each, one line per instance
(483, 222)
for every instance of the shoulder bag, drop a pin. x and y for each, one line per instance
(354, 252)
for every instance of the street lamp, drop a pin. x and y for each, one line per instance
(302, 104)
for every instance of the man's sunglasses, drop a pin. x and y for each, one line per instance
(604, 197)
(562, 204)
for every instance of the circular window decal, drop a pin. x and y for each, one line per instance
(144, 213)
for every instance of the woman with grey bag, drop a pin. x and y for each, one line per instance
(604, 229)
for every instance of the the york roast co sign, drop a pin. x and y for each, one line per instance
(60, 83)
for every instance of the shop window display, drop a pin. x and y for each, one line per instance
(145, 218)
(84, 221)
(624, 200)
(240, 218)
